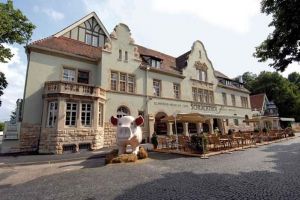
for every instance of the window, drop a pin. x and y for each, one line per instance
(202, 75)
(83, 77)
(244, 101)
(91, 39)
(194, 91)
(71, 113)
(233, 100)
(69, 75)
(86, 114)
(206, 98)
(122, 111)
(126, 56)
(100, 115)
(52, 114)
(224, 98)
(120, 54)
(236, 122)
(176, 88)
(154, 63)
(200, 95)
(131, 83)
(123, 82)
(113, 81)
(211, 97)
(156, 88)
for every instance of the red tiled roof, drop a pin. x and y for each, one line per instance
(181, 61)
(257, 101)
(220, 74)
(67, 45)
(168, 62)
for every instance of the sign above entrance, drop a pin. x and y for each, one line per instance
(171, 104)
(199, 106)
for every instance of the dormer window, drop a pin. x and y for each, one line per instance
(155, 63)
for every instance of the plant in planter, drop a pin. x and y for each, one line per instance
(199, 143)
(265, 130)
(154, 140)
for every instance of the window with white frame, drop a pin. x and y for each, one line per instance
(131, 83)
(123, 80)
(52, 114)
(100, 115)
(86, 110)
(154, 63)
(194, 92)
(113, 81)
(69, 75)
(176, 88)
(244, 101)
(211, 97)
(92, 39)
(233, 100)
(202, 75)
(156, 88)
(201, 95)
(71, 114)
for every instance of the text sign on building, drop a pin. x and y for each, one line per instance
(198, 106)
(171, 104)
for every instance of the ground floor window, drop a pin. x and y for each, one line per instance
(236, 122)
(52, 114)
(71, 114)
(86, 109)
(100, 115)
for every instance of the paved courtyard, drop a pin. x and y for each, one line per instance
(267, 172)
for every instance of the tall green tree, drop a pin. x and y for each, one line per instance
(295, 78)
(14, 28)
(248, 79)
(282, 46)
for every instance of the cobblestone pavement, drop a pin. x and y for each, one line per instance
(267, 172)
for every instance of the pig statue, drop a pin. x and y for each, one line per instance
(129, 132)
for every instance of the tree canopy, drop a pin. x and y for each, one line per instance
(14, 28)
(282, 91)
(282, 46)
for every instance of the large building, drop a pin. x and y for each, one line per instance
(81, 76)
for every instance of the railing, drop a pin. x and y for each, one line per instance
(52, 87)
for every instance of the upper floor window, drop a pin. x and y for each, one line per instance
(83, 77)
(202, 75)
(224, 98)
(157, 88)
(244, 101)
(176, 88)
(71, 114)
(52, 114)
(131, 83)
(120, 54)
(113, 80)
(69, 75)
(194, 92)
(203, 96)
(123, 80)
(92, 39)
(233, 100)
(155, 63)
(126, 56)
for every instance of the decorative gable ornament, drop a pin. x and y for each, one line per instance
(200, 65)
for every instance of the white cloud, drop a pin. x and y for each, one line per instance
(14, 71)
(231, 14)
(294, 67)
(53, 14)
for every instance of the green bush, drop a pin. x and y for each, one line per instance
(265, 130)
(1, 126)
(154, 140)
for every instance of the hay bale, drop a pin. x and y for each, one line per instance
(142, 153)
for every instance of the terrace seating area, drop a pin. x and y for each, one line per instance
(205, 143)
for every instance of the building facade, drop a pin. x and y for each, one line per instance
(81, 76)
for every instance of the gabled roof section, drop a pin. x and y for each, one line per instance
(257, 101)
(220, 75)
(65, 45)
(80, 21)
(168, 62)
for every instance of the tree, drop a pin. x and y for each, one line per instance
(283, 44)
(295, 78)
(14, 28)
(248, 79)
(3, 84)
(1, 126)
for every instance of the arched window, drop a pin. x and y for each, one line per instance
(122, 111)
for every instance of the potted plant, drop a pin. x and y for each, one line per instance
(154, 140)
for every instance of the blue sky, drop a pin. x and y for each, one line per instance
(229, 29)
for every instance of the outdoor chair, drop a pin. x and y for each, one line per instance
(183, 143)
(215, 142)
